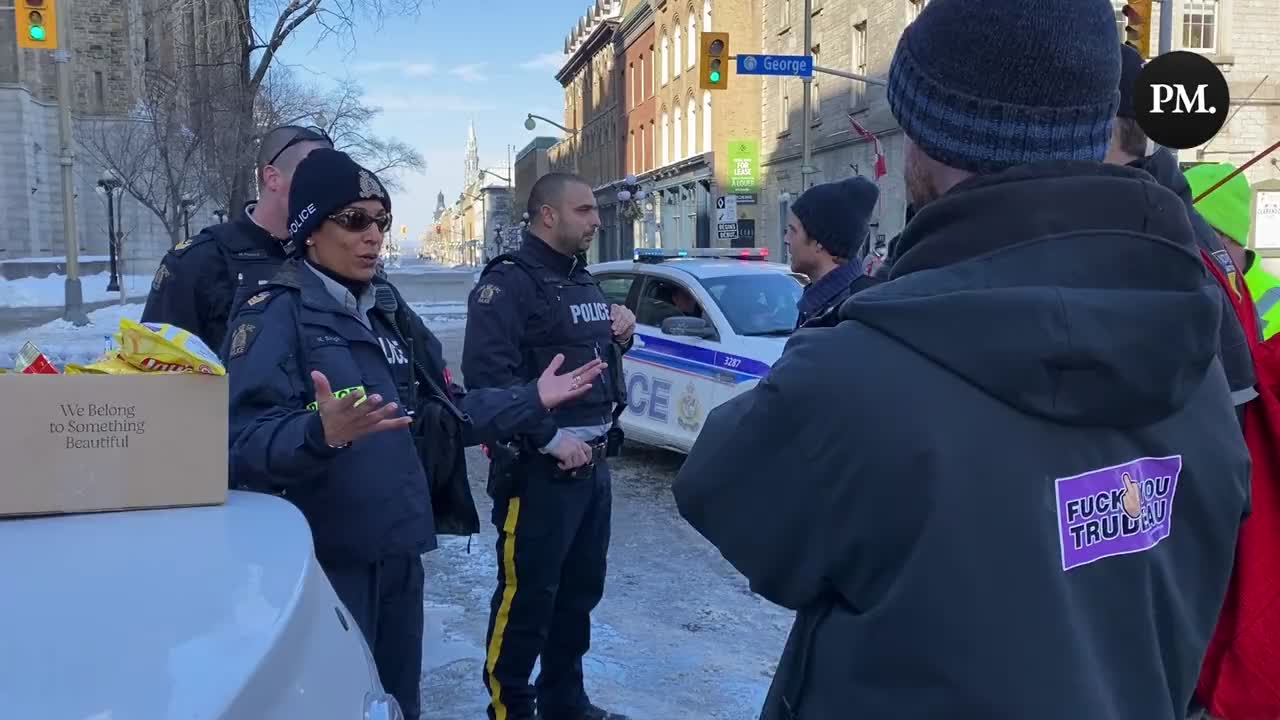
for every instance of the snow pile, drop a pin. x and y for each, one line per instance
(434, 314)
(51, 291)
(64, 343)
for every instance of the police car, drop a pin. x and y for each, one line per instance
(709, 324)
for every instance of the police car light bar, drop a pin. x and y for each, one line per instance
(657, 255)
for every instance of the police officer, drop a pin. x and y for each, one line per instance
(201, 277)
(551, 486)
(825, 227)
(322, 373)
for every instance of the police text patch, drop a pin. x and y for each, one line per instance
(1116, 510)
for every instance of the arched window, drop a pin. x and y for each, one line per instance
(693, 39)
(692, 112)
(706, 16)
(653, 145)
(640, 160)
(707, 142)
(666, 139)
(675, 67)
(666, 65)
(632, 142)
(677, 147)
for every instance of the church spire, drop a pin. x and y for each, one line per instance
(472, 163)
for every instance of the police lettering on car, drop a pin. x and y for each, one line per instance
(203, 278)
(340, 402)
(551, 483)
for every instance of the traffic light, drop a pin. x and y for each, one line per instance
(715, 61)
(1137, 27)
(37, 24)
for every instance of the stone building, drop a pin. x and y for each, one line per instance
(467, 232)
(532, 162)
(694, 130)
(592, 113)
(114, 45)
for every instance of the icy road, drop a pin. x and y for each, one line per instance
(678, 636)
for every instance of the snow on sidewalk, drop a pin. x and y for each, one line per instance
(64, 343)
(51, 291)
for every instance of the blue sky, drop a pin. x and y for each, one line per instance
(491, 61)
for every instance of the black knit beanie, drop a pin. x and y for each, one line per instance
(324, 182)
(984, 86)
(1131, 64)
(837, 215)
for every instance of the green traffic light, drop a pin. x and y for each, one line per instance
(715, 76)
(37, 33)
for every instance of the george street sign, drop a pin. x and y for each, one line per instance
(791, 65)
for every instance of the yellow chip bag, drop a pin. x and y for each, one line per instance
(110, 365)
(160, 347)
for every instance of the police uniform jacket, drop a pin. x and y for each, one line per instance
(202, 277)
(526, 308)
(1048, 528)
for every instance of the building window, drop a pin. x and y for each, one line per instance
(677, 147)
(99, 92)
(784, 107)
(913, 9)
(706, 16)
(1118, 6)
(653, 144)
(631, 85)
(631, 138)
(815, 99)
(707, 142)
(666, 139)
(785, 20)
(857, 95)
(692, 110)
(693, 39)
(1200, 26)
(653, 68)
(641, 166)
(666, 59)
(640, 98)
(675, 67)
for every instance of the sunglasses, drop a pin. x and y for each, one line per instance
(357, 220)
(299, 134)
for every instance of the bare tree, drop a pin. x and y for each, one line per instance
(342, 113)
(263, 28)
(154, 152)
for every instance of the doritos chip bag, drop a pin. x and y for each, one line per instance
(159, 347)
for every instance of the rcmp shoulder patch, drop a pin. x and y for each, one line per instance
(486, 293)
(162, 274)
(241, 338)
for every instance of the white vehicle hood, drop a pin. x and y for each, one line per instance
(146, 614)
(765, 349)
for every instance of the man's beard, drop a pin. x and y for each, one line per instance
(920, 188)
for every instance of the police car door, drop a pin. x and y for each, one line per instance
(672, 378)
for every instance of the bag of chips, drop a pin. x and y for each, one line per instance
(33, 362)
(110, 365)
(160, 347)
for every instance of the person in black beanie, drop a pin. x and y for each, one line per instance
(333, 383)
(825, 227)
(1014, 480)
(1131, 147)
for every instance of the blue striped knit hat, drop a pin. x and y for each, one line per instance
(984, 85)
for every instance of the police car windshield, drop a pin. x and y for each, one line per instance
(757, 304)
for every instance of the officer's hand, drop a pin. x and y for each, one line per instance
(555, 390)
(347, 419)
(624, 322)
(571, 452)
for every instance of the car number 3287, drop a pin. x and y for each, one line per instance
(731, 362)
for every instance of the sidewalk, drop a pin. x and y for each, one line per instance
(13, 319)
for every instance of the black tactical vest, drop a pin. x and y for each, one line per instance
(570, 316)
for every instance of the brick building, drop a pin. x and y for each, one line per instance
(115, 45)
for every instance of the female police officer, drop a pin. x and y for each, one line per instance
(320, 372)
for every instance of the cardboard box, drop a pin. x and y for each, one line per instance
(88, 443)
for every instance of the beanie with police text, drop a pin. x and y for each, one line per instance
(325, 182)
(984, 86)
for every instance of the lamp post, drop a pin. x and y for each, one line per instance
(108, 184)
(221, 215)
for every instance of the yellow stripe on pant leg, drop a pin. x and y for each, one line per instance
(504, 607)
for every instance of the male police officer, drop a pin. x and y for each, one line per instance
(551, 488)
(203, 277)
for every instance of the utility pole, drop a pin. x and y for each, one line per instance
(1166, 26)
(805, 168)
(74, 309)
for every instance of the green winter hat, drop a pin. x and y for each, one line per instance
(1227, 209)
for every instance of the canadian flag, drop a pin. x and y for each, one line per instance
(882, 167)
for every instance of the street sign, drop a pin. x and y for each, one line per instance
(727, 231)
(727, 209)
(790, 65)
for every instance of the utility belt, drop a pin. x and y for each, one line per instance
(511, 462)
